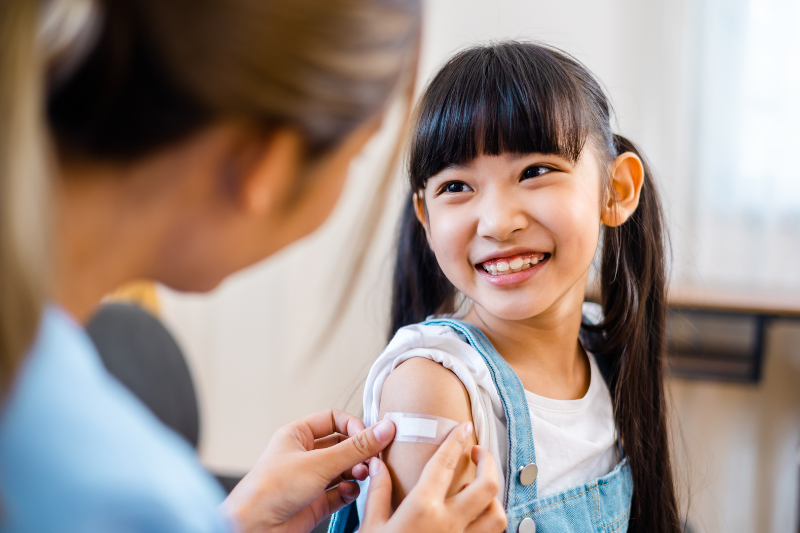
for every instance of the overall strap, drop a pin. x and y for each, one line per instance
(521, 451)
(345, 520)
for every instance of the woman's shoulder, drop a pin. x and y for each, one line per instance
(75, 441)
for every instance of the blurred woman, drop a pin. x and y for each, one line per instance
(181, 141)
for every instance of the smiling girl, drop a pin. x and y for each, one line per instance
(515, 177)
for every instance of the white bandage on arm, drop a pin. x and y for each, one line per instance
(413, 427)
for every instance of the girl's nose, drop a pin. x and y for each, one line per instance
(500, 216)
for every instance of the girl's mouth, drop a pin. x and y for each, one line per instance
(513, 264)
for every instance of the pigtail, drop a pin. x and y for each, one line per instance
(633, 282)
(419, 288)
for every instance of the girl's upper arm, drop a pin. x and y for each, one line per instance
(423, 386)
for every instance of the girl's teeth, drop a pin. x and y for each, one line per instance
(515, 265)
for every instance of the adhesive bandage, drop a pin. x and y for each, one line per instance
(413, 427)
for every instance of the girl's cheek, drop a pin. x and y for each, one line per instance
(572, 219)
(451, 232)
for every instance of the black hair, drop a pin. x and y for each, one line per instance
(515, 97)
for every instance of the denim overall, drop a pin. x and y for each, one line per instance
(599, 506)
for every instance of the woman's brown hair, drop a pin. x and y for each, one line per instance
(154, 72)
(24, 243)
(514, 97)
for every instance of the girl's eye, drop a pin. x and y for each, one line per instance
(534, 171)
(455, 187)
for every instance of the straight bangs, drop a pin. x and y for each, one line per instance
(509, 97)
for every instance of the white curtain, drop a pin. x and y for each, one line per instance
(746, 201)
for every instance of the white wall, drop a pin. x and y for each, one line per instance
(255, 345)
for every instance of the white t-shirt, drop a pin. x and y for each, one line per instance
(574, 439)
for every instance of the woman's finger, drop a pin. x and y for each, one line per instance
(480, 492)
(378, 507)
(332, 421)
(330, 440)
(323, 506)
(344, 494)
(330, 462)
(438, 473)
(493, 520)
(359, 472)
(335, 481)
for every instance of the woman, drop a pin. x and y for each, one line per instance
(191, 138)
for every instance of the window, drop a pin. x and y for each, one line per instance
(747, 150)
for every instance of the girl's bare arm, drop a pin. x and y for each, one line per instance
(424, 386)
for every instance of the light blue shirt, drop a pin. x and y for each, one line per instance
(79, 453)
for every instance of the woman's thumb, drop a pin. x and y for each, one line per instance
(358, 448)
(378, 507)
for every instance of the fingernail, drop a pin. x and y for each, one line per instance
(348, 488)
(383, 430)
(374, 466)
(467, 429)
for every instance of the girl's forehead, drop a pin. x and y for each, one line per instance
(513, 159)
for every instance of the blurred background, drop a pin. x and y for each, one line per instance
(709, 89)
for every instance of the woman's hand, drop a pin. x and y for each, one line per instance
(475, 509)
(304, 474)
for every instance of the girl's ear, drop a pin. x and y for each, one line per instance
(419, 209)
(626, 186)
(422, 214)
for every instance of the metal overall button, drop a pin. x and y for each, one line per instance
(527, 526)
(528, 473)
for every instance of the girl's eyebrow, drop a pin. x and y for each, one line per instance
(467, 164)
(515, 156)
(453, 166)
(519, 156)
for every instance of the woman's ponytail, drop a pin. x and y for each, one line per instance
(23, 184)
(633, 293)
(419, 288)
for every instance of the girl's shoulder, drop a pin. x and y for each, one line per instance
(437, 343)
(424, 335)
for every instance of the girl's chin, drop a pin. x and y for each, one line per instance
(511, 311)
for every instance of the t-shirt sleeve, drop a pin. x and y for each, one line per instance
(444, 346)
(440, 344)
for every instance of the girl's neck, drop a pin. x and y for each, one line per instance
(543, 350)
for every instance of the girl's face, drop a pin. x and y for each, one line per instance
(516, 233)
